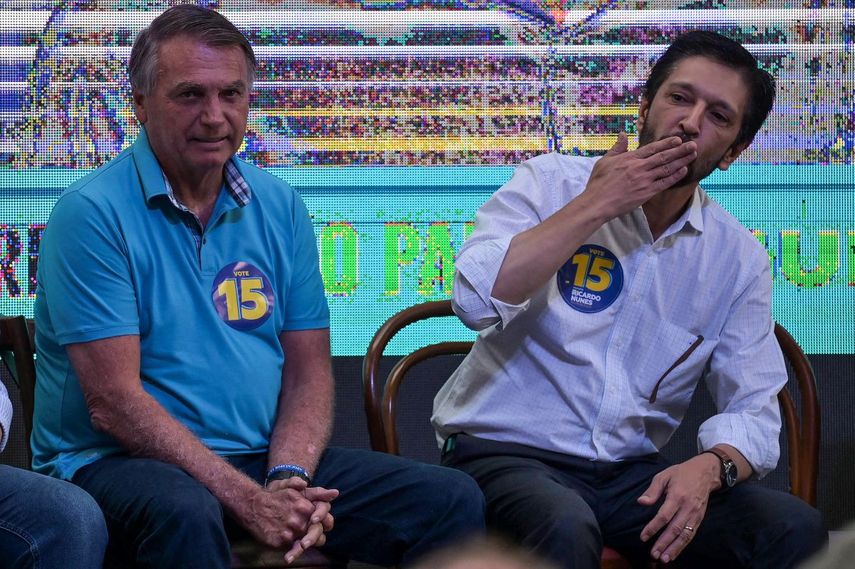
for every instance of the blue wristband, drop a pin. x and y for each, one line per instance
(284, 471)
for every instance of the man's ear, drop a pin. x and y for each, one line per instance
(643, 108)
(732, 154)
(139, 107)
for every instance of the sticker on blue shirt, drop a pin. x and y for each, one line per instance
(242, 295)
(591, 280)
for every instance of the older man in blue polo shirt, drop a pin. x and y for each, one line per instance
(184, 344)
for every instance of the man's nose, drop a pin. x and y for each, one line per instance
(691, 123)
(212, 111)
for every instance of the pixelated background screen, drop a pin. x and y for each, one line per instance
(395, 120)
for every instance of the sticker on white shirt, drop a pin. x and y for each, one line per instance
(242, 295)
(591, 280)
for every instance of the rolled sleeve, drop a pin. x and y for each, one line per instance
(517, 206)
(476, 311)
(747, 371)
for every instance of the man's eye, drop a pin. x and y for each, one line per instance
(677, 97)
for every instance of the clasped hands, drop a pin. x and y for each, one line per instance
(291, 513)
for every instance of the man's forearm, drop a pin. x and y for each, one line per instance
(302, 430)
(144, 428)
(304, 414)
(535, 255)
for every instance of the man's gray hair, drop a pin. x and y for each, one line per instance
(207, 26)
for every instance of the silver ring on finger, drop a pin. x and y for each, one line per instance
(689, 529)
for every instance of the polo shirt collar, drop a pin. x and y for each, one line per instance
(154, 182)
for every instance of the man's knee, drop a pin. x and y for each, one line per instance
(803, 533)
(78, 514)
(456, 496)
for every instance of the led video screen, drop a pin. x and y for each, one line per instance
(396, 120)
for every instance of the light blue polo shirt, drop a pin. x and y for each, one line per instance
(118, 258)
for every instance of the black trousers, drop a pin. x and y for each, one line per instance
(566, 509)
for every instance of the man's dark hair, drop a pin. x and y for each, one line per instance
(202, 24)
(761, 85)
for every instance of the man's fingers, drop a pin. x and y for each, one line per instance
(322, 509)
(658, 146)
(328, 522)
(666, 511)
(316, 531)
(653, 492)
(620, 146)
(319, 494)
(292, 554)
(673, 541)
(294, 483)
(663, 184)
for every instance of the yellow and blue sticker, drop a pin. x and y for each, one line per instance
(242, 296)
(591, 280)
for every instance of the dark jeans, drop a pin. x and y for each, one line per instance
(567, 509)
(47, 523)
(390, 510)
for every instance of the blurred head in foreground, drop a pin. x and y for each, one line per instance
(483, 553)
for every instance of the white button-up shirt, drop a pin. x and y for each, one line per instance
(602, 361)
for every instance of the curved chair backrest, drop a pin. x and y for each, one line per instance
(373, 386)
(802, 429)
(380, 397)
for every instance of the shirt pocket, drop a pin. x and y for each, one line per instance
(671, 363)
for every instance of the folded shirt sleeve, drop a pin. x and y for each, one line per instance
(515, 207)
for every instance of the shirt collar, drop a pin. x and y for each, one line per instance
(153, 185)
(694, 213)
(690, 220)
(234, 181)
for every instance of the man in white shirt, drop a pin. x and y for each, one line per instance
(603, 291)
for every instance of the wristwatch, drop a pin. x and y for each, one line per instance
(728, 468)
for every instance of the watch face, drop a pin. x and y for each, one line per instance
(730, 474)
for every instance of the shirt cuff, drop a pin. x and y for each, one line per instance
(757, 443)
(477, 270)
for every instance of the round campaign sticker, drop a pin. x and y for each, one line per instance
(242, 296)
(591, 280)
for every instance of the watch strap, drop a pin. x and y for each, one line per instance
(726, 463)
